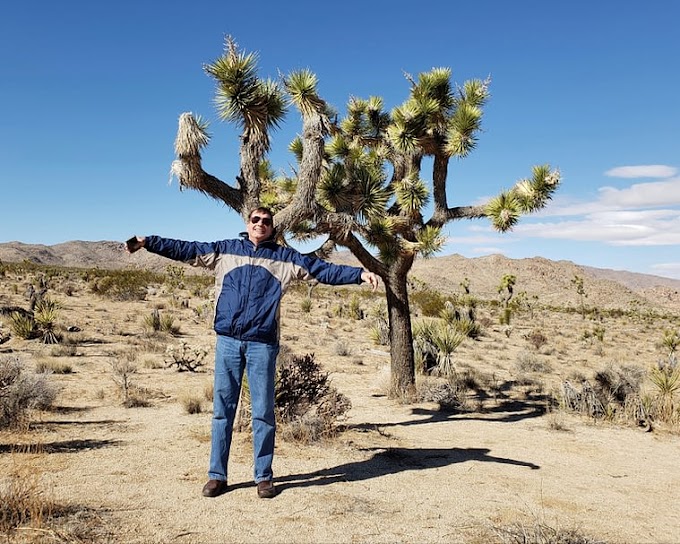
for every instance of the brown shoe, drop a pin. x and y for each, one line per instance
(214, 488)
(266, 490)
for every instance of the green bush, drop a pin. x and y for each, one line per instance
(430, 302)
(124, 284)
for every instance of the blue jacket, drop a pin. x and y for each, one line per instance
(250, 281)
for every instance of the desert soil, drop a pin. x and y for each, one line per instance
(398, 472)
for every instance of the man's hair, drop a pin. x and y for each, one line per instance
(262, 209)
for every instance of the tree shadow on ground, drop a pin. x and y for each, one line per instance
(63, 446)
(503, 411)
(392, 461)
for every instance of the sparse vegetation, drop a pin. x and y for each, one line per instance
(496, 377)
(20, 392)
(306, 404)
(184, 357)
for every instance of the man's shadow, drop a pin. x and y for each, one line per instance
(392, 461)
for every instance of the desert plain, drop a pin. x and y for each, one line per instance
(514, 466)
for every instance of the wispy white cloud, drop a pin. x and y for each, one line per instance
(669, 270)
(642, 171)
(643, 214)
(657, 193)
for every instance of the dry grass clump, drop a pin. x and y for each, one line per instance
(20, 392)
(157, 322)
(123, 368)
(542, 533)
(192, 404)
(49, 366)
(28, 514)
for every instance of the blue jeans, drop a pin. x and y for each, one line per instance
(259, 361)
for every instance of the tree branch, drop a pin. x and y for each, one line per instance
(191, 175)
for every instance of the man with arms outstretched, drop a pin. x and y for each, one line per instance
(251, 275)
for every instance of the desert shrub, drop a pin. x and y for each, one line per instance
(448, 395)
(616, 393)
(174, 276)
(300, 383)
(354, 310)
(342, 349)
(23, 503)
(530, 362)
(20, 392)
(461, 318)
(468, 327)
(152, 322)
(157, 322)
(123, 368)
(192, 405)
(306, 403)
(434, 345)
(542, 533)
(306, 305)
(380, 331)
(619, 384)
(124, 284)
(536, 338)
(430, 302)
(53, 367)
(185, 358)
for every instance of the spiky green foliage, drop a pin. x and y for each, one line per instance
(301, 87)
(45, 315)
(412, 195)
(430, 241)
(504, 211)
(242, 97)
(532, 195)
(464, 125)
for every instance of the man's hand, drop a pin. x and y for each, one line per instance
(370, 277)
(134, 244)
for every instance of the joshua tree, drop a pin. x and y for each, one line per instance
(507, 284)
(358, 180)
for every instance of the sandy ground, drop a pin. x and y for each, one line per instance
(398, 473)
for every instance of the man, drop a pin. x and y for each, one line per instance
(251, 275)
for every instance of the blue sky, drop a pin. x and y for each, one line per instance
(91, 93)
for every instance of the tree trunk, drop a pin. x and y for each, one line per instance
(402, 382)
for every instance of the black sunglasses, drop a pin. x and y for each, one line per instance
(266, 221)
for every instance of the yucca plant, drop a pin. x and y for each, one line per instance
(45, 315)
(665, 376)
(671, 341)
(446, 340)
(23, 325)
(152, 322)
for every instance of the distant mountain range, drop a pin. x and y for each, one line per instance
(550, 281)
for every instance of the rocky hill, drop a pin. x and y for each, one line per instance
(550, 281)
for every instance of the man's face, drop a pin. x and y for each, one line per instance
(260, 227)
